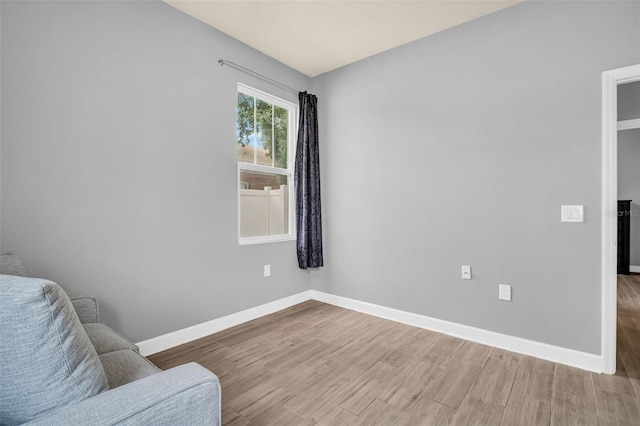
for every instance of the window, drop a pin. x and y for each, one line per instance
(265, 135)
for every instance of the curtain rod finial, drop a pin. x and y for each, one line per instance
(221, 62)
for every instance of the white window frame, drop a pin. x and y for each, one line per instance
(292, 109)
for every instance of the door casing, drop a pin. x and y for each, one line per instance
(610, 82)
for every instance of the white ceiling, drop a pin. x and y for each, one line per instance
(315, 37)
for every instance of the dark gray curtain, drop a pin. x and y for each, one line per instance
(307, 185)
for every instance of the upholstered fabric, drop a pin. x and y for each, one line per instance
(105, 339)
(46, 356)
(10, 264)
(50, 373)
(184, 395)
(86, 308)
(126, 366)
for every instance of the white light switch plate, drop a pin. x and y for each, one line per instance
(573, 213)
(504, 292)
(267, 270)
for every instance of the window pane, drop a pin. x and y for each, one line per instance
(280, 119)
(264, 204)
(264, 123)
(245, 127)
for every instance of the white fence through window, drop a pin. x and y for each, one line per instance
(264, 211)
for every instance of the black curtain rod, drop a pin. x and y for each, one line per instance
(256, 75)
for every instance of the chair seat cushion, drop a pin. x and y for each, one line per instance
(47, 358)
(126, 366)
(106, 340)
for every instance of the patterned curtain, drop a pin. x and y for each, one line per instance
(307, 185)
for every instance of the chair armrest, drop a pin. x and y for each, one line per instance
(188, 394)
(86, 308)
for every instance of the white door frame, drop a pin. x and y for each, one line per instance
(610, 81)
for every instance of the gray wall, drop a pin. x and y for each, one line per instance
(629, 101)
(460, 149)
(118, 166)
(118, 162)
(629, 184)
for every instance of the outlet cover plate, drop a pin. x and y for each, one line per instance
(466, 272)
(504, 292)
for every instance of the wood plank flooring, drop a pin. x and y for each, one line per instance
(317, 364)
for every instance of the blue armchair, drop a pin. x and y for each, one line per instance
(60, 366)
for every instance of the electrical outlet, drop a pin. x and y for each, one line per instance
(267, 270)
(466, 272)
(504, 292)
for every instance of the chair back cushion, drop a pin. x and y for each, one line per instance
(10, 264)
(46, 358)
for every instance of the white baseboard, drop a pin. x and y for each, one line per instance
(635, 269)
(185, 335)
(552, 353)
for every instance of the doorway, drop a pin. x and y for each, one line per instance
(610, 82)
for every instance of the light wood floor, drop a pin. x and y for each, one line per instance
(317, 364)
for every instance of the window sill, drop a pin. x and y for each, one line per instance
(268, 239)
